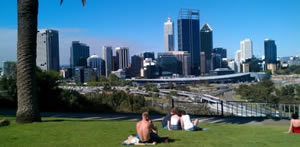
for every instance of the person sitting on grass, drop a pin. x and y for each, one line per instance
(294, 124)
(174, 122)
(167, 118)
(146, 130)
(186, 122)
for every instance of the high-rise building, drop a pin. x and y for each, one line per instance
(237, 56)
(107, 57)
(202, 59)
(188, 26)
(47, 50)
(220, 51)
(270, 51)
(232, 66)
(174, 62)
(246, 49)
(79, 54)
(148, 55)
(136, 65)
(94, 62)
(82, 74)
(122, 54)
(9, 68)
(115, 63)
(206, 45)
(169, 35)
(149, 69)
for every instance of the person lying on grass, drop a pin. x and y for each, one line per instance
(294, 124)
(146, 130)
(186, 122)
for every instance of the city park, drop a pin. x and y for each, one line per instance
(28, 128)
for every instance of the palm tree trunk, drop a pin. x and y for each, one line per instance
(28, 110)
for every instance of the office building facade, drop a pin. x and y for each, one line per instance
(206, 45)
(169, 35)
(270, 51)
(136, 66)
(107, 54)
(47, 50)
(79, 54)
(94, 62)
(148, 55)
(188, 26)
(122, 55)
(220, 51)
(246, 48)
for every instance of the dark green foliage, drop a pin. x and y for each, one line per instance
(264, 91)
(173, 93)
(8, 91)
(116, 101)
(290, 70)
(52, 98)
(148, 87)
(112, 80)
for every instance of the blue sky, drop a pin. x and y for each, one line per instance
(138, 24)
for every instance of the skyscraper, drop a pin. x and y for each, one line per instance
(94, 62)
(148, 55)
(136, 65)
(79, 54)
(188, 26)
(122, 54)
(169, 35)
(238, 60)
(220, 51)
(270, 51)
(246, 49)
(107, 57)
(237, 56)
(47, 50)
(182, 65)
(206, 45)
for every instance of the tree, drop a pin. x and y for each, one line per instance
(28, 110)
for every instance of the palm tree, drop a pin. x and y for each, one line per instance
(28, 110)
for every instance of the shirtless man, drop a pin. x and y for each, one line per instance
(294, 124)
(146, 130)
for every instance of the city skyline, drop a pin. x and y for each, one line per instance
(148, 36)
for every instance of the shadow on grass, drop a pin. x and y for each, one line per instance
(70, 116)
(243, 120)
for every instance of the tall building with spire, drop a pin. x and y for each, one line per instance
(246, 49)
(169, 35)
(188, 25)
(206, 45)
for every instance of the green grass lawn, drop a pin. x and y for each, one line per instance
(82, 132)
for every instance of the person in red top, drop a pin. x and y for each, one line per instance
(295, 124)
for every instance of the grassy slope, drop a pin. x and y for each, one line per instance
(80, 132)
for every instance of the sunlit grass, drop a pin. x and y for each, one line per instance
(84, 132)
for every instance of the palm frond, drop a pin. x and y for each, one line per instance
(83, 2)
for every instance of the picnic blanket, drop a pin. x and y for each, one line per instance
(133, 140)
